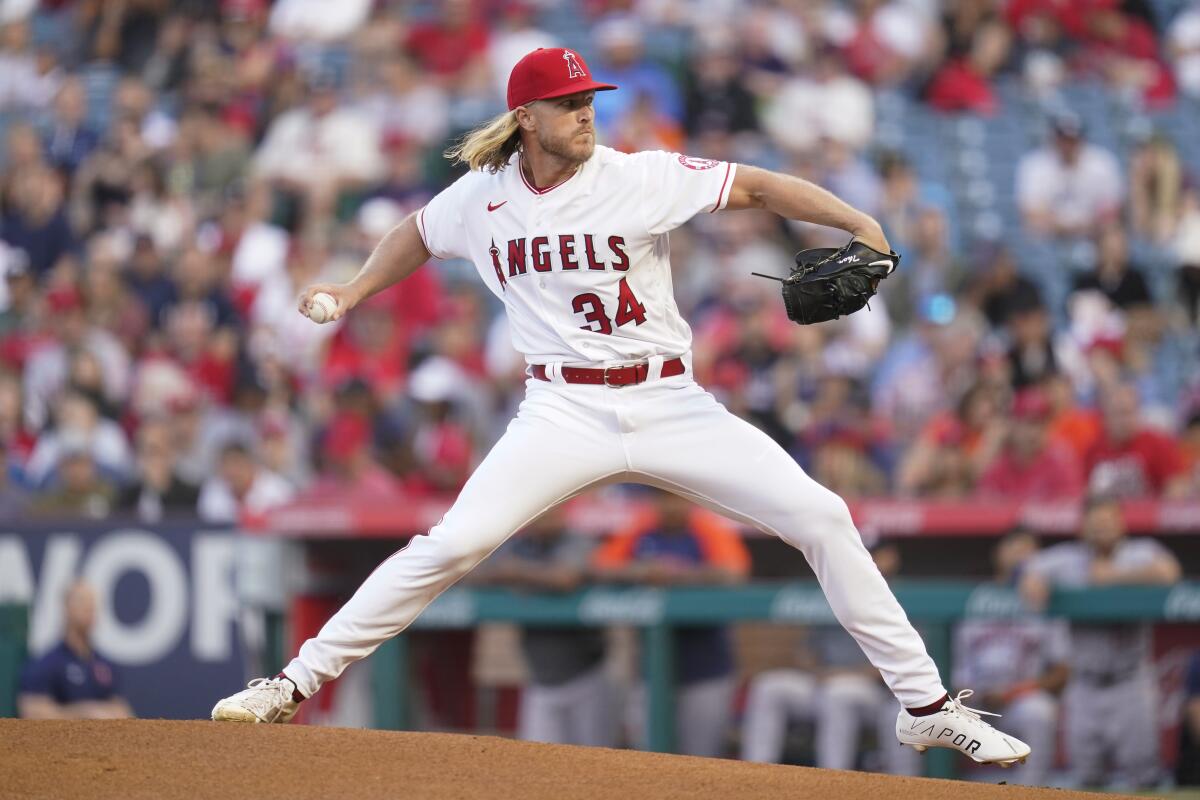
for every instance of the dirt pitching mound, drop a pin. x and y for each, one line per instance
(228, 761)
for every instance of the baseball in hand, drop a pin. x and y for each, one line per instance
(321, 307)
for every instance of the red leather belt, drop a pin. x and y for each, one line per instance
(611, 376)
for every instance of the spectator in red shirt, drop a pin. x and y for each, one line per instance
(1124, 51)
(977, 49)
(1129, 460)
(954, 447)
(370, 347)
(452, 43)
(351, 471)
(1032, 465)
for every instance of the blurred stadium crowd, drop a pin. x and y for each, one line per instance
(173, 173)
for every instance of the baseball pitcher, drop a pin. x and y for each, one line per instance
(573, 238)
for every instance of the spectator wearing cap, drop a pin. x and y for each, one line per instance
(623, 62)
(158, 490)
(1068, 188)
(678, 544)
(1031, 465)
(72, 680)
(78, 425)
(240, 485)
(1130, 460)
(77, 488)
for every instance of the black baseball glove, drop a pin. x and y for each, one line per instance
(831, 282)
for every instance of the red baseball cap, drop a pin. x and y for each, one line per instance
(550, 72)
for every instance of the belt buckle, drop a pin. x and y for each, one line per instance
(613, 385)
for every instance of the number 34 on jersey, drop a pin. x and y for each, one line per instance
(537, 255)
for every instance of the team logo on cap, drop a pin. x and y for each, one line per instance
(573, 68)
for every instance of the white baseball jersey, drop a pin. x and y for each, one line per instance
(583, 267)
(583, 270)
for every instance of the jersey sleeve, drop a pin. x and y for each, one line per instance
(440, 222)
(676, 188)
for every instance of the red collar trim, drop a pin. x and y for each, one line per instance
(548, 189)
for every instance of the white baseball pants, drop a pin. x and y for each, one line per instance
(666, 432)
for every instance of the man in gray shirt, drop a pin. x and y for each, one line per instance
(1111, 701)
(568, 699)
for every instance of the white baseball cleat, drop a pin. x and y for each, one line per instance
(263, 700)
(960, 728)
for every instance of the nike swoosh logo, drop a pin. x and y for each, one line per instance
(883, 263)
(494, 207)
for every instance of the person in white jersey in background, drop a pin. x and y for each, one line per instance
(572, 237)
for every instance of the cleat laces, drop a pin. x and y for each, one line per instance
(955, 706)
(262, 701)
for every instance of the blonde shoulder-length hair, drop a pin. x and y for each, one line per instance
(489, 146)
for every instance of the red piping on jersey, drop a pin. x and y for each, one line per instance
(720, 194)
(421, 233)
(536, 190)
